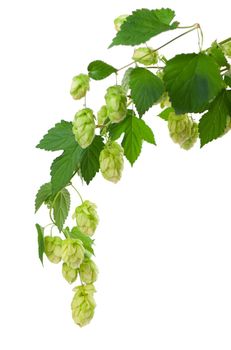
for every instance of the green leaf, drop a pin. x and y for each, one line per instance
(165, 113)
(64, 167)
(135, 132)
(44, 192)
(60, 137)
(215, 51)
(41, 246)
(61, 207)
(142, 25)
(213, 123)
(227, 78)
(90, 159)
(87, 241)
(192, 81)
(98, 70)
(146, 89)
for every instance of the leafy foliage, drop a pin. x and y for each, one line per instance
(218, 55)
(98, 70)
(165, 113)
(44, 192)
(61, 207)
(192, 81)
(144, 24)
(87, 241)
(146, 89)
(41, 246)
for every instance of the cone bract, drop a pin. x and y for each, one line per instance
(83, 304)
(102, 115)
(116, 103)
(119, 21)
(53, 249)
(112, 162)
(73, 252)
(80, 85)
(84, 127)
(88, 271)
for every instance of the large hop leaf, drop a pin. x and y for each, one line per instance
(73, 252)
(53, 249)
(84, 127)
(83, 304)
(111, 161)
(86, 217)
(116, 103)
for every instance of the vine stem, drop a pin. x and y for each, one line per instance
(224, 41)
(194, 27)
(81, 198)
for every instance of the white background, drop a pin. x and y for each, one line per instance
(163, 245)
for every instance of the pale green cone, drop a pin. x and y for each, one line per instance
(83, 304)
(53, 249)
(102, 115)
(73, 252)
(119, 21)
(112, 162)
(116, 103)
(69, 273)
(86, 217)
(84, 127)
(164, 100)
(88, 271)
(79, 86)
(227, 49)
(145, 55)
(183, 130)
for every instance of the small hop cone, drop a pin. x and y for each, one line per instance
(119, 21)
(53, 249)
(183, 130)
(116, 103)
(88, 271)
(69, 273)
(79, 86)
(83, 304)
(73, 252)
(102, 115)
(84, 127)
(227, 49)
(112, 162)
(86, 217)
(145, 55)
(165, 101)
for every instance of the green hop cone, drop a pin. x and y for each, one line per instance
(53, 249)
(165, 101)
(111, 161)
(116, 103)
(119, 21)
(226, 47)
(102, 115)
(145, 55)
(69, 273)
(88, 271)
(79, 86)
(86, 217)
(84, 127)
(73, 252)
(183, 130)
(83, 304)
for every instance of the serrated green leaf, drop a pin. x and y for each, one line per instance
(144, 24)
(227, 79)
(146, 89)
(215, 51)
(64, 167)
(41, 246)
(165, 113)
(61, 207)
(44, 192)
(213, 123)
(98, 70)
(90, 159)
(60, 137)
(87, 241)
(192, 81)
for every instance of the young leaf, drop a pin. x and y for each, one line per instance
(86, 240)
(41, 246)
(90, 159)
(142, 25)
(146, 89)
(165, 113)
(61, 207)
(192, 81)
(44, 192)
(213, 123)
(60, 137)
(98, 70)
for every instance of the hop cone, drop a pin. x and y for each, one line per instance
(102, 115)
(69, 273)
(73, 252)
(119, 21)
(111, 161)
(183, 130)
(227, 49)
(145, 55)
(53, 249)
(116, 103)
(83, 304)
(84, 127)
(80, 86)
(86, 217)
(88, 271)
